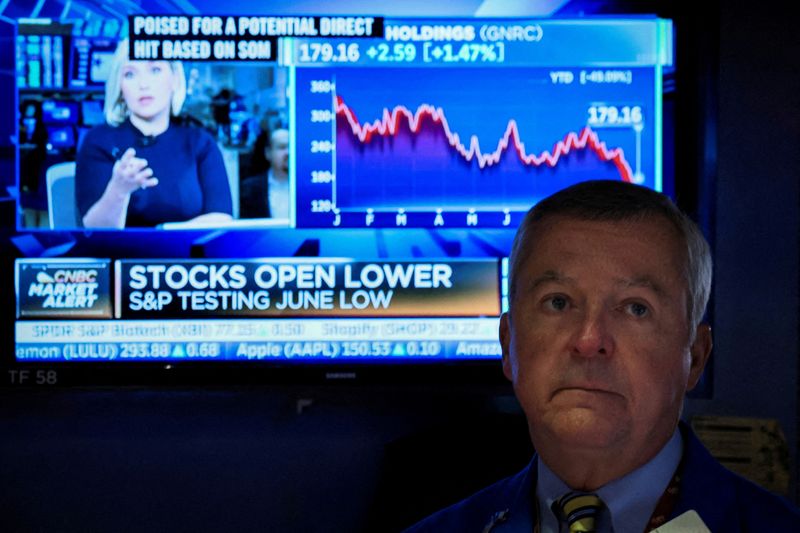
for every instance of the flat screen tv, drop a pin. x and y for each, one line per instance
(415, 146)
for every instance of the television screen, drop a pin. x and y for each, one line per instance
(59, 112)
(100, 63)
(376, 167)
(60, 137)
(92, 113)
(40, 58)
(91, 58)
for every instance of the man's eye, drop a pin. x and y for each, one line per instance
(637, 309)
(556, 303)
(155, 69)
(128, 75)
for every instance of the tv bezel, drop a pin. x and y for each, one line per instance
(694, 161)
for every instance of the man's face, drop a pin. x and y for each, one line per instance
(597, 343)
(278, 152)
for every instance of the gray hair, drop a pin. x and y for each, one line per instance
(617, 201)
(115, 109)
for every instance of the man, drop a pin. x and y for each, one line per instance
(267, 195)
(603, 338)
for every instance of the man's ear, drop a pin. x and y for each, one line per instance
(505, 342)
(700, 351)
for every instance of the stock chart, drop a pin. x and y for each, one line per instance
(470, 135)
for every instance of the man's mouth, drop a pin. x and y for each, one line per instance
(586, 389)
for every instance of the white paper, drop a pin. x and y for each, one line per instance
(688, 522)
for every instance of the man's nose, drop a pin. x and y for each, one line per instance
(593, 336)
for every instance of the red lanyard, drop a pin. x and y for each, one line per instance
(666, 503)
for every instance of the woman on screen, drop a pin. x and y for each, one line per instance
(146, 165)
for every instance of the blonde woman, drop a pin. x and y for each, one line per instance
(146, 166)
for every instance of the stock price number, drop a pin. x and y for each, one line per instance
(321, 206)
(144, 350)
(286, 329)
(366, 348)
(611, 115)
(328, 53)
(322, 176)
(423, 348)
(322, 86)
(605, 76)
(322, 115)
(450, 328)
(383, 53)
(202, 349)
(322, 147)
(466, 53)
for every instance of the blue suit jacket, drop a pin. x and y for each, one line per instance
(725, 501)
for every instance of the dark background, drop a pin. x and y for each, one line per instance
(377, 457)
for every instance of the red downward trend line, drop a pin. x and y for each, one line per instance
(390, 122)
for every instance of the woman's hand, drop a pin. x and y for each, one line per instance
(130, 173)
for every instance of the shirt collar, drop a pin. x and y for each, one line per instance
(630, 500)
(275, 182)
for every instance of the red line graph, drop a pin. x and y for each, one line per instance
(390, 122)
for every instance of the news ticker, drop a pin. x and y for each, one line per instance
(225, 288)
(257, 339)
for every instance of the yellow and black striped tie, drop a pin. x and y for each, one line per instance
(580, 509)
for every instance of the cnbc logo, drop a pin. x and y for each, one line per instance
(59, 288)
(66, 289)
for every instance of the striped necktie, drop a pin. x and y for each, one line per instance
(579, 509)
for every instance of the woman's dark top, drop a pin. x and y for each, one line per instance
(186, 160)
